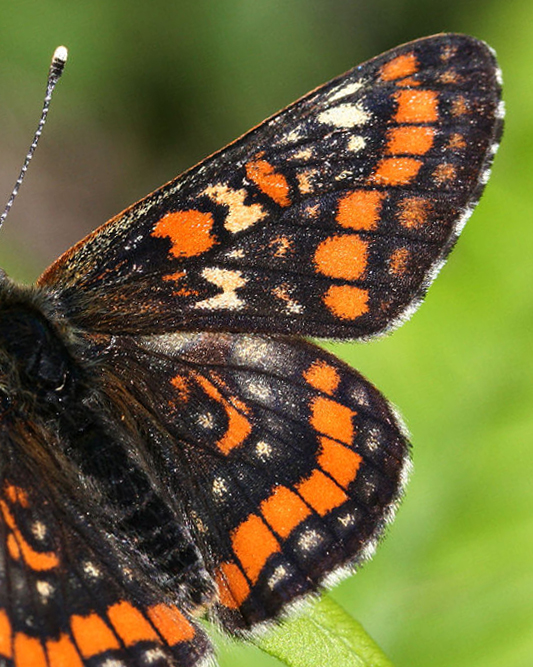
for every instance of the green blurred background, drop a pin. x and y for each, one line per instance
(150, 88)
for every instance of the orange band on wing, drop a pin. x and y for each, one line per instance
(37, 560)
(253, 543)
(92, 635)
(283, 510)
(233, 588)
(5, 635)
(28, 651)
(171, 624)
(239, 427)
(332, 419)
(321, 493)
(130, 625)
(62, 652)
(338, 461)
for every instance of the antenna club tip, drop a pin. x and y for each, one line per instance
(60, 55)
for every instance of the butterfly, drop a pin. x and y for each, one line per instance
(171, 445)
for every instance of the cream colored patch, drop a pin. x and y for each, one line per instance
(345, 90)
(305, 180)
(220, 487)
(356, 143)
(44, 589)
(308, 540)
(235, 254)
(39, 530)
(281, 246)
(302, 154)
(345, 116)
(279, 574)
(346, 520)
(206, 420)
(291, 305)
(91, 570)
(240, 216)
(291, 137)
(263, 449)
(229, 282)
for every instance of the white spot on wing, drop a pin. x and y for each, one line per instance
(279, 574)
(356, 143)
(229, 282)
(44, 589)
(344, 90)
(344, 116)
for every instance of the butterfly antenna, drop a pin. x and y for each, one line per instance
(56, 70)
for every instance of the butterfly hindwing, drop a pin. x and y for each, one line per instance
(61, 603)
(287, 461)
(330, 219)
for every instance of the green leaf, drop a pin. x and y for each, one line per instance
(324, 635)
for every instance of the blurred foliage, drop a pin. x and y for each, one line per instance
(152, 87)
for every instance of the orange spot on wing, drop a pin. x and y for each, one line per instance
(92, 635)
(180, 383)
(16, 495)
(338, 461)
(413, 139)
(321, 493)
(417, 106)
(322, 376)
(396, 171)
(13, 547)
(332, 419)
(171, 624)
(283, 510)
(6, 633)
(62, 652)
(233, 588)
(413, 212)
(409, 81)
(37, 560)
(272, 183)
(360, 209)
(28, 651)
(239, 426)
(460, 106)
(456, 141)
(398, 261)
(189, 231)
(130, 624)
(399, 67)
(175, 276)
(346, 302)
(444, 173)
(253, 543)
(344, 256)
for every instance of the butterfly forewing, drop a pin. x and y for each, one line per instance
(329, 219)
